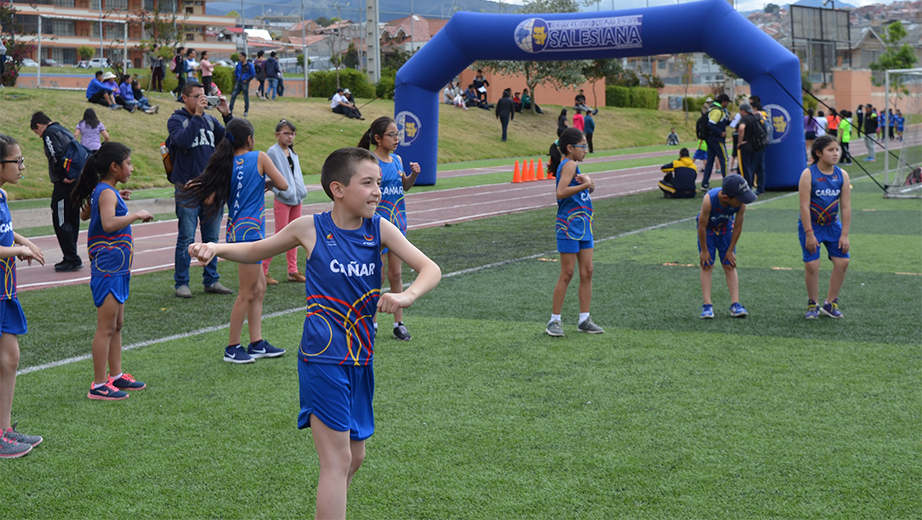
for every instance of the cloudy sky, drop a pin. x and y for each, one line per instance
(742, 5)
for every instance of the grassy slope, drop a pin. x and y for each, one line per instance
(464, 136)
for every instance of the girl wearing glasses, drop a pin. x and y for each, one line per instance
(12, 320)
(394, 182)
(574, 228)
(287, 204)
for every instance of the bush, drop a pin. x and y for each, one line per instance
(631, 97)
(322, 84)
(223, 77)
(385, 88)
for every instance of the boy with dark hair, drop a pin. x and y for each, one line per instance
(679, 182)
(335, 365)
(65, 216)
(720, 223)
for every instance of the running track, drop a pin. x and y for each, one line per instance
(155, 242)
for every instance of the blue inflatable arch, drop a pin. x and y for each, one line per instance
(709, 26)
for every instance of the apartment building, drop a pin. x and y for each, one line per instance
(69, 24)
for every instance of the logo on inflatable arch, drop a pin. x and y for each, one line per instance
(781, 121)
(408, 126)
(616, 32)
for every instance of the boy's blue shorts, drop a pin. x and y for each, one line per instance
(565, 245)
(827, 235)
(700, 155)
(12, 319)
(116, 285)
(718, 243)
(340, 396)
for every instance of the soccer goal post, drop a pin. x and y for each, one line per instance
(902, 125)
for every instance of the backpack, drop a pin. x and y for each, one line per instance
(174, 67)
(74, 159)
(701, 127)
(914, 177)
(761, 136)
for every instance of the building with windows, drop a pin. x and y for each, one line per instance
(69, 24)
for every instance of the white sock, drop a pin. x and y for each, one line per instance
(397, 324)
(116, 377)
(376, 327)
(95, 386)
(555, 317)
(583, 316)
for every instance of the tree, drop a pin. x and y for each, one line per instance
(686, 65)
(323, 21)
(16, 48)
(85, 52)
(895, 56)
(771, 8)
(599, 70)
(351, 59)
(560, 74)
(166, 29)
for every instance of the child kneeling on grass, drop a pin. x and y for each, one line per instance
(720, 223)
(13, 444)
(110, 246)
(343, 271)
(825, 195)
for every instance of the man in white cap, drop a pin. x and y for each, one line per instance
(340, 104)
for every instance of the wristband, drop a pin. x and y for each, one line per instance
(808, 231)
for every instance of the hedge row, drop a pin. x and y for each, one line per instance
(322, 84)
(631, 97)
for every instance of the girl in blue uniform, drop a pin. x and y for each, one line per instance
(394, 182)
(574, 228)
(336, 356)
(825, 218)
(236, 175)
(110, 248)
(13, 444)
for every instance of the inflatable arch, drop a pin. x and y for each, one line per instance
(709, 26)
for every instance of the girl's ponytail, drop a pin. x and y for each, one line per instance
(569, 137)
(96, 169)
(365, 141)
(216, 179)
(378, 128)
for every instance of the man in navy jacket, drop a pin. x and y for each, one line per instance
(193, 137)
(243, 73)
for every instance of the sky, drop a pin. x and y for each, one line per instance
(742, 5)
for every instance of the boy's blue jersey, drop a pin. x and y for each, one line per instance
(7, 265)
(721, 219)
(110, 253)
(824, 195)
(574, 213)
(343, 286)
(246, 206)
(900, 121)
(392, 206)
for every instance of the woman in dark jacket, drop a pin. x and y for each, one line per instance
(562, 122)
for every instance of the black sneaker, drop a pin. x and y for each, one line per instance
(401, 333)
(263, 349)
(67, 267)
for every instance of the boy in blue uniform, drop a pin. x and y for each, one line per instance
(343, 287)
(825, 196)
(720, 224)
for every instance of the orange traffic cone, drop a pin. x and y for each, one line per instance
(531, 170)
(516, 175)
(540, 171)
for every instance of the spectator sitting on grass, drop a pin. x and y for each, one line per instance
(97, 92)
(679, 181)
(673, 138)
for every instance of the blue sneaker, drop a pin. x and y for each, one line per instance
(831, 309)
(813, 310)
(237, 354)
(707, 312)
(738, 311)
(106, 392)
(263, 349)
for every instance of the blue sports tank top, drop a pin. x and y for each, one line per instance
(721, 219)
(246, 206)
(824, 195)
(343, 286)
(392, 206)
(110, 253)
(7, 265)
(574, 213)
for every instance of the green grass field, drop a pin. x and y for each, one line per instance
(483, 416)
